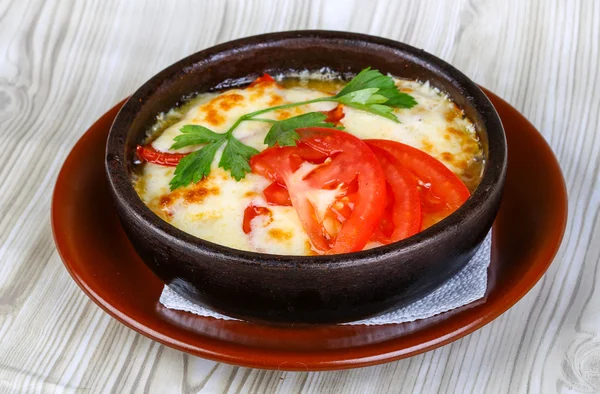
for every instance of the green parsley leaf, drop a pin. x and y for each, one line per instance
(401, 100)
(235, 158)
(195, 166)
(364, 96)
(366, 100)
(370, 79)
(195, 135)
(284, 133)
(377, 109)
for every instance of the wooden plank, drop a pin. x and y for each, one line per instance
(63, 64)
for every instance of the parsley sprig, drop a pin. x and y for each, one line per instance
(369, 91)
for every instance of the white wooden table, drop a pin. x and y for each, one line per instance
(63, 64)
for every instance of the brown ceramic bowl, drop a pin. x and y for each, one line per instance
(307, 289)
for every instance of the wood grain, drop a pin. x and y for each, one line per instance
(63, 64)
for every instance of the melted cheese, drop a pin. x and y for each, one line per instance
(213, 209)
(221, 111)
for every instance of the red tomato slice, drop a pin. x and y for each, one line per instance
(264, 78)
(386, 226)
(402, 217)
(335, 115)
(327, 161)
(277, 195)
(440, 190)
(147, 153)
(250, 213)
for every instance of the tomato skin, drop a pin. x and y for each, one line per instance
(440, 190)
(149, 154)
(263, 78)
(402, 217)
(277, 194)
(250, 213)
(335, 158)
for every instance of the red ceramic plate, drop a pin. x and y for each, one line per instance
(95, 250)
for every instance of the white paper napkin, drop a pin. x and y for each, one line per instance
(465, 287)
